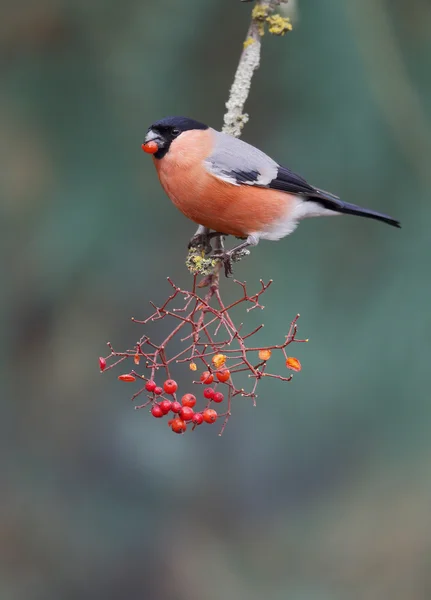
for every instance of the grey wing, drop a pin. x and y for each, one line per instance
(239, 163)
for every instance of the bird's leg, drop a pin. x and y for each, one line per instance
(219, 243)
(235, 253)
(202, 239)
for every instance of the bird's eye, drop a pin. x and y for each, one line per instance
(175, 132)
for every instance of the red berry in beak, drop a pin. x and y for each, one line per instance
(150, 147)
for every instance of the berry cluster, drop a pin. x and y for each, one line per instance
(210, 338)
(185, 409)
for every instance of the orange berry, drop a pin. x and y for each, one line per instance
(218, 360)
(136, 359)
(193, 366)
(223, 375)
(126, 377)
(178, 426)
(207, 377)
(188, 400)
(293, 364)
(265, 354)
(210, 415)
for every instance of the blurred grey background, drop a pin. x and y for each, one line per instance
(321, 492)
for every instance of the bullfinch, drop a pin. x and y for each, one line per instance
(229, 187)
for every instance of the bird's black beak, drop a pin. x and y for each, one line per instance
(154, 136)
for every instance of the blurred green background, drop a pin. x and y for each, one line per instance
(323, 491)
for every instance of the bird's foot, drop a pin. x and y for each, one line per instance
(229, 257)
(225, 258)
(201, 241)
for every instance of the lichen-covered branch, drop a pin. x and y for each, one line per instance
(262, 14)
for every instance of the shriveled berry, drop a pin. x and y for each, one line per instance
(209, 415)
(264, 354)
(178, 426)
(218, 397)
(223, 375)
(166, 406)
(158, 390)
(209, 393)
(136, 359)
(207, 377)
(186, 413)
(197, 419)
(188, 400)
(193, 366)
(150, 386)
(126, 377)
(170, 386)
(218, 360)
(157, 411)
(176, 407)
(293, 364)
(102, 363)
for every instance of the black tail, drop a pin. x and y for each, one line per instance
(331, 202)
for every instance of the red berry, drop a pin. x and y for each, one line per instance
(197, 418)
(218, 397)
(126, 377)
(209, 393)
(157, 411)
(207, 377)
(188, 400)
(166, 406)
(150, 386)
(150, 147)
(186, 413)
(178, 426)
(209, 415)
(176, 407)
(223, 375)
(102, 363)
(170, 386)
(158, 390)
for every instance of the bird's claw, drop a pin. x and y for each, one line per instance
(229, 257)
(226, 259)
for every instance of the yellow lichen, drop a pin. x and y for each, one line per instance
(259, 15)
(278, 25)
(248, 42)
(259, 12)
(197, 264)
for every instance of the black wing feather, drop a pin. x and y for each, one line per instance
(288, 181)
(245, 176)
